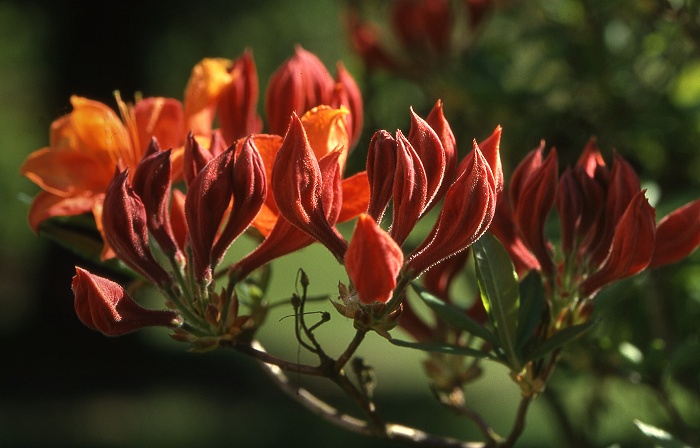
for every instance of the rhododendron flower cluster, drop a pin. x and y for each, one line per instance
(173, 185)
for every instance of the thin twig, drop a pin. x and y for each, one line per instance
(519, 425)
(350, 350)
(491, 436)
(269, 359)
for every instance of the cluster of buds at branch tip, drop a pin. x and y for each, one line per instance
(416, 173)
(419, 171)
(608, 229)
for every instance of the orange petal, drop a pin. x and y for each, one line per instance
(107, 251)
(207, 80)
(161, 118)
(98, 130)
(65, 172)
(268, 146)
(265, 220)
(326, 130)
(47, 205)
(355, 196)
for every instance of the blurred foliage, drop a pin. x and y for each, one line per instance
(627, 72)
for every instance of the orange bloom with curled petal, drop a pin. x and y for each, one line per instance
(326, 131)
(325, 134)
(88, 145)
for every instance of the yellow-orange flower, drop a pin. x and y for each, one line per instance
(88, 146)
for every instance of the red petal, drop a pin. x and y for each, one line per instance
(103, 305)
(410, 190)
(238, 101)
(677, 235)
(208, 198)
(125, 228)
(631, 249)
(466, 214)
(373, 261)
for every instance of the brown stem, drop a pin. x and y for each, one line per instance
(491, 435)
(350, 350)
(519, 425)
(375, 423)
(391, 431)
(269, 359)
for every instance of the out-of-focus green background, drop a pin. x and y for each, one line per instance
(627, 72)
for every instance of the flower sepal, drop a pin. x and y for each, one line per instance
(373, 316)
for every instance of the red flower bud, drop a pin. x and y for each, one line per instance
(533, 193)
(366, 41)
(624, 185)
(238, 100)
(178, 221)
(410, 190)
(352, 101)
(249, 191)
(208, 198)
(421, 22)
(104, 306)
(569, 204)
(677, 235)
(195, 158)
(299, 187)
(124, 224)
(503, 228)
(431, 154)
(491, 148)
(631, 249)
(152, 184)
(373, 261)
(437, 121)
(381, 166)
(300, 84)
(592, 161)
(469, 207)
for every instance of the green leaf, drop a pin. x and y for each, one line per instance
(660, 437)
(531, 307)
(79, 235)
(444, 348)
(455, 316)
(498, 284)
(560, 338)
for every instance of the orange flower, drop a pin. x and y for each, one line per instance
(87, 146)
(325, 131)
(326, 135)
